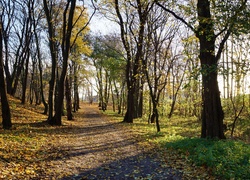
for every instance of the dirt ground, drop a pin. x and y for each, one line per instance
(92, 147)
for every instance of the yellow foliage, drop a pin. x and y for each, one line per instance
(80, 46)
(78, 43)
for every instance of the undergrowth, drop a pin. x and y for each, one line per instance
(226, 158)
(179, 141)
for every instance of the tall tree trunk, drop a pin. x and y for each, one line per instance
(41, 92)
(67, 30)
(53, 52)
(138, 96)
(6, 65)
(18, 72)
(129, 115)
(6, 28)
(76, 94)
(157, 120)
(6, 122)
(175, 94)
(25, 77)
(112, 95)
(133, 64)
(212, 113)
(40, 72)
(68, 99)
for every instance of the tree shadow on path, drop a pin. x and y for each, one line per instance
(116, 153)
(141, 166)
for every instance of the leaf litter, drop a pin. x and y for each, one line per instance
(90, 147)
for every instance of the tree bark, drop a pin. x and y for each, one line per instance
(68, 99)
(67, 29)
(6, 122)
(53, 52)
(76, 94)
(25, 78)
(212, 113)
(40, 72)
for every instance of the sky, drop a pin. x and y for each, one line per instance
(101, 25)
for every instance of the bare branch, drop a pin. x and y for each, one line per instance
(176, 16)
(229, 30)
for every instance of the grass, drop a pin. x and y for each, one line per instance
(178, 143)
(226, 159)
(197, 158)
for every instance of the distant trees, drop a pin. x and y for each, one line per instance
(109, 63)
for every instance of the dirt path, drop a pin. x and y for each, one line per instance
(103, 150)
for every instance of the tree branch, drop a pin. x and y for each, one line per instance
(78, 33)
(176, 16)
(229, 30)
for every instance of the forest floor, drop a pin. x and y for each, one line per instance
(92, 146)
(96, 145)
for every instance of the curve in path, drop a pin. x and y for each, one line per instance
(106, 150)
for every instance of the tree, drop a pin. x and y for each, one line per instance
(79, 48)
(28, 37)
(36, 18)
(109, 64)
(66, 43)
(132, 26)
(67, 25)
(6, 122)
(159, 58)
(17, 36)
(53, 52)
(212, 113)
(9, 10)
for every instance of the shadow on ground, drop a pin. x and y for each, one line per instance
(140, 166)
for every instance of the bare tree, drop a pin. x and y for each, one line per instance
(132, 25)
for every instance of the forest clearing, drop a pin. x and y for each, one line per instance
(99, 146)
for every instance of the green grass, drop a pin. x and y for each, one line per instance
(227, 159)
(179, 138)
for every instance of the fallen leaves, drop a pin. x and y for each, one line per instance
(90, 147)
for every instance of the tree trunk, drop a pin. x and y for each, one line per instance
(6, 122)
(155, 116)
(212, 113)
(39, 67)
(129, 115)
(25, 77)
(53, 52)
(157, 120)
(138, 96)
(68, 99)
(40, 73)
(18, 72)
(76, 94)
(67, 30)
(6, 66)
(133, 64)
